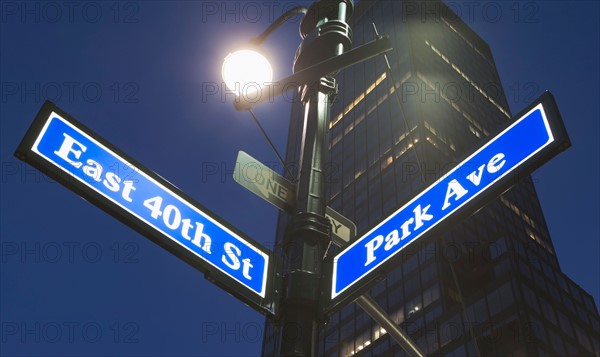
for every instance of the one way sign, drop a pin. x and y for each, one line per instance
(264, 182)
(275, 189)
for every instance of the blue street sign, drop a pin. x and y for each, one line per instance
(534, 137)
(71, 153)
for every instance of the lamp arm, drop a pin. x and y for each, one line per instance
(258, 40)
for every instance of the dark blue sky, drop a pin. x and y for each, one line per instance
(76, 282)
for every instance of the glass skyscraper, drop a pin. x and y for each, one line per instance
(492, 285)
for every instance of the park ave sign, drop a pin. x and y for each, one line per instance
(533, 138)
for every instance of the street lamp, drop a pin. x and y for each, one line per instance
(248, 65)
(308, 231)
(326, 49)
(326, 35)
(247, 71)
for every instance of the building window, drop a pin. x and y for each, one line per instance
(557, 343)
(565, 323)
(537, 329)
(582, 337)
(358, 100)
(500, 299)
(451, 330)
(431, 295)
(530, 298)
(548, 311)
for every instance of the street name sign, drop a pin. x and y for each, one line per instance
(281, 193)
(533, 138)
(72, 154)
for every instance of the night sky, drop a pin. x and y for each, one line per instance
(76, 282)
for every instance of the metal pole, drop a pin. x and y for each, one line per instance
(373, 309)
(326, 35)
(376, 312)
(308, 233)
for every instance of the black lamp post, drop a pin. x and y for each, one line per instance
(326, 34)
(325, 49)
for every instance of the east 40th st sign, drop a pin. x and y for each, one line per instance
(72, 154)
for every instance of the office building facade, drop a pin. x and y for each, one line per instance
(491, 286)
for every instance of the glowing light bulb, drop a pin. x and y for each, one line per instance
(246, 70)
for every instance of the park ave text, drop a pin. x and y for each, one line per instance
(454, 192)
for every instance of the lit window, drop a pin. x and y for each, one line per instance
(385, 163)
(462, 74)
(464, 39)
(358, 99)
